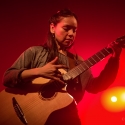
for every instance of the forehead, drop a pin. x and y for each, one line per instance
(68, 21)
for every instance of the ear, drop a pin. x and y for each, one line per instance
(52, 28)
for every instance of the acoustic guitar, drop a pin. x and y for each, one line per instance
(33, 104)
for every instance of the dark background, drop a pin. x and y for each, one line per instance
(24, 23)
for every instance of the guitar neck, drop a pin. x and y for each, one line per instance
(73, 73)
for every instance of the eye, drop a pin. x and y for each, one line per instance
(66, 28)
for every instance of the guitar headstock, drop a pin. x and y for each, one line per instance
(121, 41)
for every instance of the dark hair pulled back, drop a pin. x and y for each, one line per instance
(50, 41)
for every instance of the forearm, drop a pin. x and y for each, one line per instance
(106, 77)
(30, 74)
(15, 77)
(11, 77)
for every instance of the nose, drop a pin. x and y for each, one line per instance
(71, 32)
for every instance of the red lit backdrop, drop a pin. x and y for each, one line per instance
(24, 24)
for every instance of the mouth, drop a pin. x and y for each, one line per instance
(69, 40)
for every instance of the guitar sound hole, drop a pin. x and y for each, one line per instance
(48, 91)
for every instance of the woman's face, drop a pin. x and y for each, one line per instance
(65, 31)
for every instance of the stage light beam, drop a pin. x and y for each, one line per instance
(113, 99)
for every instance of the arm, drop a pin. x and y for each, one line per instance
(11, 76)
(106, 77)
(50, 70)
(108, 74)
(25, 69)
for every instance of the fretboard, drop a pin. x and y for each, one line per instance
(73, 73)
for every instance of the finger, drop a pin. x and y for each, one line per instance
(54, 60)
(59, 75)
(58, 72)
(62, 66)
(58, 80)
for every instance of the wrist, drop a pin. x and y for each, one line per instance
(36, 72)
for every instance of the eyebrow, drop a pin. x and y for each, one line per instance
(70, 26)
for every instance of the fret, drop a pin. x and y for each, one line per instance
(71, 73)
(82, 67)
(93, 59)
(90, 62)
(66, 76)
(87, 64)
(80, 71)
(74, 73)
(102, 54)
(107, 50)
(98, 56)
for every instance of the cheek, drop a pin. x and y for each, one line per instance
(60, 34)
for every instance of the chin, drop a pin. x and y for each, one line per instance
(67, 46)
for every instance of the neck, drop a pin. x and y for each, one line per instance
(61, 49)
(64, 52)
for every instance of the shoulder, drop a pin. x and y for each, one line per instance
(37, 49)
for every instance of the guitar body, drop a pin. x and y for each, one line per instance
(34, 101)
